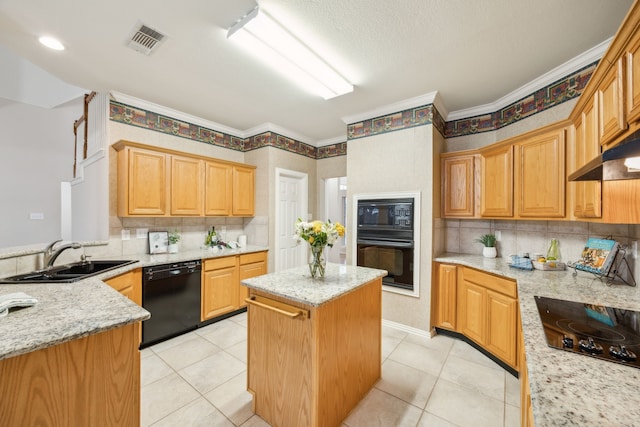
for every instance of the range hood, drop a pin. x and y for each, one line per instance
(610, 165)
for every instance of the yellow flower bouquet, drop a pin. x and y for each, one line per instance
(319, 235)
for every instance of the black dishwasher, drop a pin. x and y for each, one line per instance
(171, 293)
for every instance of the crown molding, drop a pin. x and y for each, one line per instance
(561, 71)
(384, 110)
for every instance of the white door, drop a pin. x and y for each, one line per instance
(291, 204)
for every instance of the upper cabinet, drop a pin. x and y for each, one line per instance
(496, 195)
(458, 185)
(157, 182)
(633, 79)
(610, 98)
(540, 175)
(587, 195)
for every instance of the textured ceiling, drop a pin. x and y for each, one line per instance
(472, 52)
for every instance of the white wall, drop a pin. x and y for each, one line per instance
(37, 155)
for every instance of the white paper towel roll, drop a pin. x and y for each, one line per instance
(242, 241)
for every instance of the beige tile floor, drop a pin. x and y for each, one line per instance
(199, 379)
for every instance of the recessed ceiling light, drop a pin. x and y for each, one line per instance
(51, 43)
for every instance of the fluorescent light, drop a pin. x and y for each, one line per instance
(267, 39)
(633, 163)
(51, 43)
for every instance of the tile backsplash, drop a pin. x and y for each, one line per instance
(535, 237)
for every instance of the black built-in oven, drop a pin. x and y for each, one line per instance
(385, 239)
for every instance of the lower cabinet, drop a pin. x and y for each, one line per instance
(221, 289)
(481, 306)
(488, 313)
(89, 381)
(128, 284)
(445, 296)
(526, 412)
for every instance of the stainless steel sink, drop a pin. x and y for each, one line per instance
(67, 273)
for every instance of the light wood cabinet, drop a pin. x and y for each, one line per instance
(128, 284)
(222, 292)
(90, 381)
(312, 369)
(587, 199)
(218, 185)
(243, 191)
(496, 198)
(142, 182)
(611, 112)
(459, 185)
(444, 306)
(526, 411)
(251, 265)
(633, 80)
(220, 283)
(540, 175)
(488, 313)
(158, 182)
(186, 186)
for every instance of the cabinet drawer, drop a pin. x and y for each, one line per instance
(489, 281)
(216, 263)
(251, 258)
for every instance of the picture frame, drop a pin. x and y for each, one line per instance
(158, 242)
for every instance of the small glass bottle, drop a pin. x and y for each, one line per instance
(552, 253)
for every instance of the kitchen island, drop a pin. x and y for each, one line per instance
(568, 389)
(314, 345)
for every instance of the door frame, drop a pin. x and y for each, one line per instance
(303, 211)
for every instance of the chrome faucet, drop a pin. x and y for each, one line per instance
(51, 254)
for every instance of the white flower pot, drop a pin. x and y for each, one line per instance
(173, 248)
(488, 252)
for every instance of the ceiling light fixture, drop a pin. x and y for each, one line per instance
(51, 43)
(266, 38)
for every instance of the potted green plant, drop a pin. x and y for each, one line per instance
(174, 238)
(489, 242)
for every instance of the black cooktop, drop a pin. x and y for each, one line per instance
(598, 331)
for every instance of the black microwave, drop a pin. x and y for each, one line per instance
(385, 214)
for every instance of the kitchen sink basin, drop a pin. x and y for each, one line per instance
(67, 273)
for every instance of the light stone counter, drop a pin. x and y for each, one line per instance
(568, 389)
(296, 284)
(68, 311)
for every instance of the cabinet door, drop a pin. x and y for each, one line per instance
(218, 185)
(501, 338)
(588, 194)
(458, 186)
(612, 120)
(496, 197)
(220, 288)
(540, 176)
(128, 284)
(251, 265)
(472, 311)
(633, 80)
(446, 298)
(243, 191)
(186, 186)
(145, 182)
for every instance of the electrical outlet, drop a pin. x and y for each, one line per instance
(142, 233)
(36, 215)
(126, 235)
(634, 249)
(498, 236)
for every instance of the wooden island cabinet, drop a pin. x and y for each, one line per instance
(314, 345)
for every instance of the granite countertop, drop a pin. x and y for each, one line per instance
(68, 311)
(296, 284)
(568, 389)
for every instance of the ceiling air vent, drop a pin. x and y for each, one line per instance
(145, 39)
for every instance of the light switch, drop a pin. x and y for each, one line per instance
(498, 235)
(142, 233)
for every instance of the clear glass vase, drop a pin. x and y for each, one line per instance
(317, 261)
